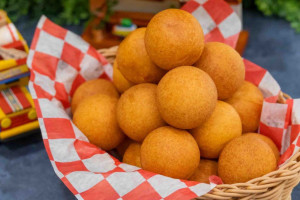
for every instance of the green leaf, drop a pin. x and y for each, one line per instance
(61, 11)
(287, 9)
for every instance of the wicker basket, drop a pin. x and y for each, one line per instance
(275, 185)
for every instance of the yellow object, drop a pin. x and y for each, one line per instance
(22, 81)
(13, 72)
(28, 96)
(6, 64)
(32, 114)
(19, 130)
(5, 123)
(12, 68)
(121, 83)
(19, 34)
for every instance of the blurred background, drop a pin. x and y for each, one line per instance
(270, 38)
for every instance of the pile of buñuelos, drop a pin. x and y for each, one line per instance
(175, 99)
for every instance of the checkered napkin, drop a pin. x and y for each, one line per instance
(60, 61)
(280, 122)
(219, 22)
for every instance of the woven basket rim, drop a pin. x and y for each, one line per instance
(270, 186)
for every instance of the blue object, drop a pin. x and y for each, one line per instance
(15, 78)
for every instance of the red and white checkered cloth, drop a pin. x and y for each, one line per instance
(60, 61)
(219, 22)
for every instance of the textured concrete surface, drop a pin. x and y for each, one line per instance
(25, 170)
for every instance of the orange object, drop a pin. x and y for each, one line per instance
(242, 42)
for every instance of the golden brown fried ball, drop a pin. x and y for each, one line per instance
(268, 141)
(134, 62)
(137, 111)
(174, 38)
(121, 83)
(248, 101)
(92, 87)
(132, 154)
(186, 97)
(224, 65)
(170, 152)
(96, 117)
(245, 158)
(205, 169)
(221, 127)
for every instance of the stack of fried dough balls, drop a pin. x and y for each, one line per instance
(183, 106)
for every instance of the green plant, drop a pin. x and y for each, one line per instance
(61, 11)
(287, 9)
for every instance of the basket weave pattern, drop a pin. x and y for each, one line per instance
(274, 185)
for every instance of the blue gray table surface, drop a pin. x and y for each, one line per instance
(25, 170)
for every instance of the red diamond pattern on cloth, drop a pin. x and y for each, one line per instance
(49, 44)
(263, 80)
(93, 52)
(96, 164)
(63, 150)
(48, 150)
(129, 168)
(287, 154)
(68, 167)
(59, 128)
(215, 36)
(76, 83)
(218, 10)
(72, 55)
(219, 22)
(91, 173)
(254, 73)
(83, 181)
(103, 189)
(139, 193)
(51, 110)
(105, 76)
(35, 39)
(69, 185)
(295, 119)
(65, 74)
(62, 95)
(295, 129)
(40, 92)
(191, 7)
(86, 150)
(298, 141)
(45, 83)
(181, 193)
(276, 134)
(49, 68)
(292, 143)
(89, 68)
(124, 182)
(165, 186)
(76, 41)
(53, 29)
(58, 173)
(273, 120)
